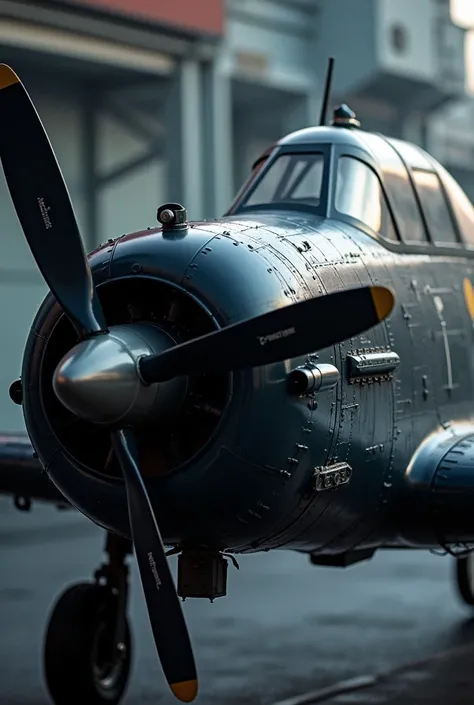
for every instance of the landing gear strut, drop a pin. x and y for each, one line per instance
(464, 576)
(87, 650)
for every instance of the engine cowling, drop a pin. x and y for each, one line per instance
(437, 504)
(212, 467)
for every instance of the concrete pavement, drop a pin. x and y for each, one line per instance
(284, 629)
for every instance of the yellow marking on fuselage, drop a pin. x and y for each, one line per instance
(469, 296)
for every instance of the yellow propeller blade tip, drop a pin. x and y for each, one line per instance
(383, 301)
(7, 76)
(185, 691)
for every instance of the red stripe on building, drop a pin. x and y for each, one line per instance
(200, 16)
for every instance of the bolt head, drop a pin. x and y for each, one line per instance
(167, 216)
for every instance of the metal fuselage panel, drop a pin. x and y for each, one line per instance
(374, 424)
(260, 483)
(252, 487)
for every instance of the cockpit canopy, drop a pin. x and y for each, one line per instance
(386, 187)
(292, 179)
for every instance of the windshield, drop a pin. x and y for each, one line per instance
(291, 179)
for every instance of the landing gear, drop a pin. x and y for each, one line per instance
(88, 648)
(465, 578)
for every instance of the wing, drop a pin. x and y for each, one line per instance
(21, 474)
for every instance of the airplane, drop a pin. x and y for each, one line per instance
(296, 375)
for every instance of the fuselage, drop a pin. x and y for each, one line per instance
(252, 484)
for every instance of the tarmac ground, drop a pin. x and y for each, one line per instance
(391, 630)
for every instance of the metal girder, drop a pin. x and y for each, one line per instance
(89, 151)
(152, 152)
(131, 120)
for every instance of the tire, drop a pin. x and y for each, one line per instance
(465, 578)
(78, 668)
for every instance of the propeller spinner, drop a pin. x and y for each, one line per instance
(115, 377)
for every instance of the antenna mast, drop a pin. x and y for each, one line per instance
(327, 90)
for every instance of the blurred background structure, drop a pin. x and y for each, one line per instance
(147, 101)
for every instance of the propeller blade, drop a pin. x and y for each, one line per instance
(166, 616)
(288, 332)
(43, 206)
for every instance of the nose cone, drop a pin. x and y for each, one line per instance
(98, 380)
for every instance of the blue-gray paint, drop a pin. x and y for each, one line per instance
(252, 485)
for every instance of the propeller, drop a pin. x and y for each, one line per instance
(279, 335)
(88, 384)
(44, 209)
(43, 206)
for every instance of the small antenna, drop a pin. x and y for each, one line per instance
(327, 90)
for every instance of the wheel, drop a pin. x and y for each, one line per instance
(82, 665)
(465, 578)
